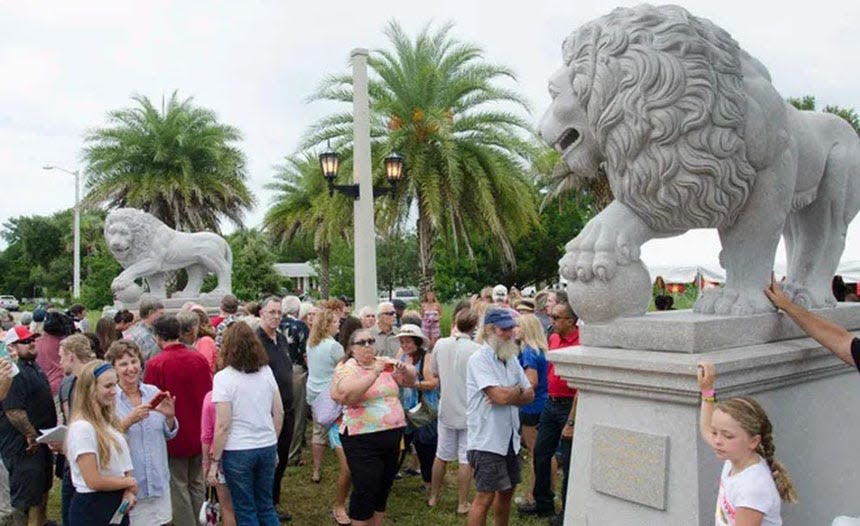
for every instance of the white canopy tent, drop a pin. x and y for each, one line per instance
(680, 259)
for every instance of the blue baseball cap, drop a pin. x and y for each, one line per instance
(500, 318)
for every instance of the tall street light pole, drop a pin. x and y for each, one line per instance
(365, 231)
(76, 285)
(363, 190)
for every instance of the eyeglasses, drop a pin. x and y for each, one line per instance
(365, 343)
(389, 313)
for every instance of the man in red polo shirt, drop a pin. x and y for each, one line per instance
(186, 374)
(556, 420)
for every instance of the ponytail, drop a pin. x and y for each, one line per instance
(781, 477)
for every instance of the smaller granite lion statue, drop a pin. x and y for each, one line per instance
(148, 249)
(690, 133)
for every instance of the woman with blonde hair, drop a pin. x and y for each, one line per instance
(752, 483)
(323, 355)
(533, 348)
(75, 352)
(97, 452)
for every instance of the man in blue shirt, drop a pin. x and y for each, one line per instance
(496, 387)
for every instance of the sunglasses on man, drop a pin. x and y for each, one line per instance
(365, 343)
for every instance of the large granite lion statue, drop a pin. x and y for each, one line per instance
(690, 133)
(147, 248)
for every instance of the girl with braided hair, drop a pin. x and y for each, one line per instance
(753, 483)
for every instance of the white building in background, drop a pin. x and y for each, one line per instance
(303, 275)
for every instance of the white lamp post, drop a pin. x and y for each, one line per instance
(363, 190)
(76, 285)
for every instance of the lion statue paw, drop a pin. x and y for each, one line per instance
(732, 302)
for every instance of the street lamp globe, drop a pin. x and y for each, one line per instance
(394, 167)
(329, 161)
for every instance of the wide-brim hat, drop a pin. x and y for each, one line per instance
(408, 329)
(525, 305)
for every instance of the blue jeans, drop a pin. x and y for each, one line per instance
(552, 421)
(250, 474)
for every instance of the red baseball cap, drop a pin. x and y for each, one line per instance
(20, 334)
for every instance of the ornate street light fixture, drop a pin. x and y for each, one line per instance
(330, 162)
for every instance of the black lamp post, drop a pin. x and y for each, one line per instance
(330, 162)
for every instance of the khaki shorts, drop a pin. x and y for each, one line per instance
(319, 435)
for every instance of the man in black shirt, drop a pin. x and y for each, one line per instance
(297, 333)
(28, 406)
(833, 337)
(278, 351)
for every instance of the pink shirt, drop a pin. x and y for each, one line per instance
(378, 410)
(48, 358)
(206, 347)
(207, 422)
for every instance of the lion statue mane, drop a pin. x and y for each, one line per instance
(150, 250)
(690, 133)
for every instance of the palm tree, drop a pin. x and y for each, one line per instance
(179, 164)
(302, 208)
(435, 100)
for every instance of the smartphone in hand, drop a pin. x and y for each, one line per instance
(157, 400)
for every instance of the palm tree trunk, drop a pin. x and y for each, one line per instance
(324, 254)
(425, 234)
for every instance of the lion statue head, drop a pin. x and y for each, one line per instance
(129, 234)
(653, 99)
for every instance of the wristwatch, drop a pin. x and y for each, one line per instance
(570, 422)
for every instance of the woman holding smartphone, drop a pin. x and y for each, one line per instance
(149, 420)
(372, 424)
(96, 450)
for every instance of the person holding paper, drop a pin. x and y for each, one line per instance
(97, 452)
(75, 352)
(28, 406)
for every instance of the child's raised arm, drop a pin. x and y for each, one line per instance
(707, 375)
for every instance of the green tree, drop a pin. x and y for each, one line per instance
(38, 258)
(396, 261)
(303, 209)
(438, 102)
(179, 164)
(253, 273)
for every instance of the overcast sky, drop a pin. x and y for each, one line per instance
(63, 65)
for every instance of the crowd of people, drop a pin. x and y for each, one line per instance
(164, 409)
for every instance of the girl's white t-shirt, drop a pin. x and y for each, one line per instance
(752, 488)
(81, 439)
(250, 396)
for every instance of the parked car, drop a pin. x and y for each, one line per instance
(405, 294)
(9, 303)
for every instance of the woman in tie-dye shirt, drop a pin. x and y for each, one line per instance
(372, 424)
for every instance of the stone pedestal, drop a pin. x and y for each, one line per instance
(638, 458)
(173, 305)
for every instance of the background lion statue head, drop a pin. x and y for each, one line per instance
(130, 233)
(663, 101)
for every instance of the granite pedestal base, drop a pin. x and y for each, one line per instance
(638, 458)
(173, 305)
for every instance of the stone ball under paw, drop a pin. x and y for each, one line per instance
(626, 294)
(129, 294)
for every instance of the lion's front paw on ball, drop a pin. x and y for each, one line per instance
(626, 294)
(128, 293)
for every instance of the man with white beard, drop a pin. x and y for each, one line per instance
(496, 387)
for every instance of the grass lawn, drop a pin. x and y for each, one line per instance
(311, 503)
